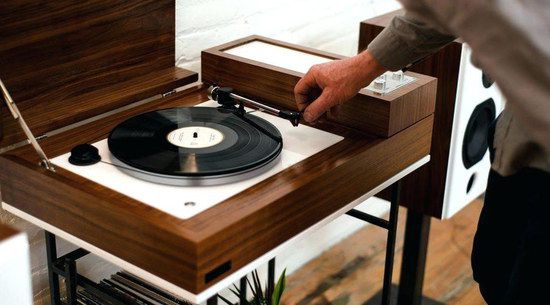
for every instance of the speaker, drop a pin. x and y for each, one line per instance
(478, 103)
(467, 104)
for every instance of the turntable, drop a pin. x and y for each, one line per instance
(215, 152)
(187, 192)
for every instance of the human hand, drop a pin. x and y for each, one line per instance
(326, 86)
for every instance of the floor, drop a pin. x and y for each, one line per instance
(351, 272)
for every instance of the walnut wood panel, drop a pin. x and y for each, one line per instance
(403, 107)
(237, 230)
(423, 190)
(59, 58)
(380, 115)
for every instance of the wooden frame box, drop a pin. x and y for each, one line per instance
(382, 115)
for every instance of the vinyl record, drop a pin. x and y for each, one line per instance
(195, 146)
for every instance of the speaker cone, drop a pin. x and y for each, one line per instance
(475, 144)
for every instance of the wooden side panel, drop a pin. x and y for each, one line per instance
(402, 108)
(423, 190)
(370, 28)
(53, 52)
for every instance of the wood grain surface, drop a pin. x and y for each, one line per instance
(382, 115)
(235, 231)
(66, 60)
(424, 190)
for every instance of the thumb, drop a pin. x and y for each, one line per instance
(317, 107)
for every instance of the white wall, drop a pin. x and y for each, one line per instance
(327, 25)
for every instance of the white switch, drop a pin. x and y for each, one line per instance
(379, 84)
(397, 76)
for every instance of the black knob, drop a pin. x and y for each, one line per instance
(84, 154)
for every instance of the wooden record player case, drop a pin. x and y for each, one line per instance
(68, 61)
(382, 115)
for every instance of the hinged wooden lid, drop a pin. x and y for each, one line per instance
(64, 61)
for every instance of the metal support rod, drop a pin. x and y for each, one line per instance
(415, 248)
(212, 300)
(243, 290)
(70, 281)
(390, 243)
(30, 137)
(379, 222)
(51, 257)
(270, 280)
(73, 255)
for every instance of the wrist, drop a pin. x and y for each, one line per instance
(368, 68)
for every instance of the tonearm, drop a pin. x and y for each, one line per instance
(44, 161)
(225, 97)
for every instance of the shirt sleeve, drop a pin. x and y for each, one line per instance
(510, 41)
(405, 41)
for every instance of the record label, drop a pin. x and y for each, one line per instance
(195, 137)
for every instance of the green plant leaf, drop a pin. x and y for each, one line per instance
(259, 290)
(278, 290)
(235, 291)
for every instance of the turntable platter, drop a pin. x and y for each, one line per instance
(195, 146)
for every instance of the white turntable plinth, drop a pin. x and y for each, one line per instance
(185, 202)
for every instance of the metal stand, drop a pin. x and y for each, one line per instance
(270, 280)
(413, 266)
(391, 226)
(65, 266)
(212, 300)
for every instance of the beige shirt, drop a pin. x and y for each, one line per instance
(510, 40)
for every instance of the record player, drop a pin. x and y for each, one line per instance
(188, 188)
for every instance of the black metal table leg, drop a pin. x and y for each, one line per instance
(213, 300)
(51, 256)
(270, 280)
(390, 243)
(414, 259)
(70, 281)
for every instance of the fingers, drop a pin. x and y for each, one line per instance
(317, 107)
(304, 88)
